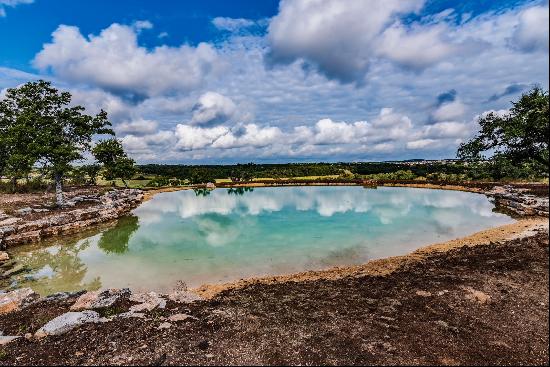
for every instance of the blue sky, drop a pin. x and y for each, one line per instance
(303, 80)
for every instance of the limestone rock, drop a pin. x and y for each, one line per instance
(66, 322)
(12, 301)
(147, 301)
(4, 256)
(164, 325)
(181, 317)
(184, 297)
(99, 299)
(423, 294)
(24, 211)
(5, 339)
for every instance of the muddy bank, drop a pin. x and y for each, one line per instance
(31, 224)
(469, 305)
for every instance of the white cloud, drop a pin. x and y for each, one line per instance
(531, 33)
(191, 137)
(113, 60)
(420, 144)
(449, 111)
(232, 24)
(137, 127)
(213, 108)
(343, 38)
(12, 4)
(142, 24)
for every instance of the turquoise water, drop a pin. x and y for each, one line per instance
(222, 235)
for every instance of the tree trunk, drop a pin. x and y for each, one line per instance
(58, 190)
(124, 182)
(13, 184)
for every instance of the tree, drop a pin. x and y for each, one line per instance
(43, 128)
(115, 161)
(520, 136)
(18, 150)
(92, 171)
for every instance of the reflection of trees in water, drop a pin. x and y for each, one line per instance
(239, 190)
(115, 240)
(202, 192)
(67, 269)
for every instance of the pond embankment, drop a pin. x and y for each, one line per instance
(470, 305)
(32, 224)
(477, 300)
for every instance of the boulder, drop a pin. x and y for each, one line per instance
(12, 301)
(99, 299)
(66, 322)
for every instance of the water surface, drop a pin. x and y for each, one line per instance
(227, 234)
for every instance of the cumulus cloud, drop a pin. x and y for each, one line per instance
(342, 38)
(12, 4)
(137, 127)
(213, 108)
(113, 60)
(531, 33)
(449, 111)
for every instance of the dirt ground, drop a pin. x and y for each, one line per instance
(478, 305)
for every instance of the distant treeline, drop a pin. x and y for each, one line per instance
(375, 170)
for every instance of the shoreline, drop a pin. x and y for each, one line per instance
(522, 228)
(381, 266)
(470, 305)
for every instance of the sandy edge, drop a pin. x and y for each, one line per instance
(520, 229)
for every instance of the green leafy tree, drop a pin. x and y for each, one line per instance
(92, 171)
(41, 127)
(115, 161)
(519, 137)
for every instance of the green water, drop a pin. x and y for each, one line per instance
(223, 235)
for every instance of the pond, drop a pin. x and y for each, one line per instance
(227, 234)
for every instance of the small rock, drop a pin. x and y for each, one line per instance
(210, 186)
(442, 324)
(181, 317)
(4, 256)
(182, 296)
(24, 211)
(28, 336)
(5, 339)
(66, 322)
(164, 325)
(12, 301)
(147, 301)
(423, 294)
(441, 293)
(477, 296)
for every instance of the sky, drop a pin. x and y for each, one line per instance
(290, 81)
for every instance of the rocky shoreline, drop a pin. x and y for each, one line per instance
(457, 299)
(470, 305)
(22, 226)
